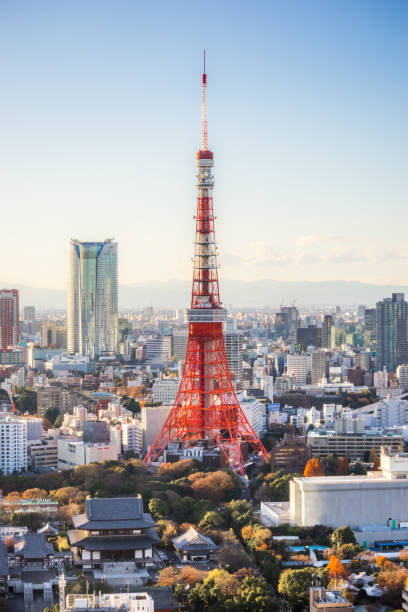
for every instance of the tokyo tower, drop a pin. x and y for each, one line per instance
(206, 406)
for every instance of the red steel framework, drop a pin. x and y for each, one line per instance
(206, 406)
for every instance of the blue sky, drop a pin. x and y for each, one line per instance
(100, 122)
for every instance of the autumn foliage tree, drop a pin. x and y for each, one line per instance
(313, 468)
(343, 466)
(336, 569)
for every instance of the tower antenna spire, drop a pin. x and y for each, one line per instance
(204, 118)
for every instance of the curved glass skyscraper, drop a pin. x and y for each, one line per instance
(93, 298)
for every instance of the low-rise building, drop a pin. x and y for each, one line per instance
(322, 600)
(374, 499)
(73, 452)
(354, 445)
(291, 455)
(192, 546)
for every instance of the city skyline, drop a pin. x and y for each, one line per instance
(313, 95)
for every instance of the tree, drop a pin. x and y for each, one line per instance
(313, 468)
(167, 530)
(294, 585)
(336, 569)
(359, 469)
(373, 458)
(131, 404)
(332, 463)
(158, 508)
(342, 535)
(25, 400)
(216, 486)
(51, 415)
(35, 493)
(253, 595)
(211, 520)
(343, 466)
(232, 555)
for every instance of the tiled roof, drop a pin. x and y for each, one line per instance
(118, 508)
(3, 559)
(193, 539)
(34, 546)
(118, 542)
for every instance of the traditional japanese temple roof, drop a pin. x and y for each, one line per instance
(34, 546)
(114, 513)
(193, 540)
(141, 542)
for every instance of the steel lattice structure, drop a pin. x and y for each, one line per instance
(206, 406)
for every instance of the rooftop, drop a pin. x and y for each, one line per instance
(192, 539)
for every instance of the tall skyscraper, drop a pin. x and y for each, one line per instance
(29, 314)
(233, 339)
(392, 332)
(93, 298)
(328, 324)
(9, 318)
(370, 323)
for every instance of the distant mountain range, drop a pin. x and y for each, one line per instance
(176, 294)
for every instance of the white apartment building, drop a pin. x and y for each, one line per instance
(132, 436)
(72, 452)
(381, 379)
(390, 412)
(13, 444)
(233, 347)
(165, 390)
(254, 411)
(402, 375)
(298, 366)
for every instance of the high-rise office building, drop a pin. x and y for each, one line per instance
(93, 298)
(328, 324)
(320, 367)
(13, 444)
(370, 324)
(9, 318)
(309, 336)
(392, 332)
(29, 314)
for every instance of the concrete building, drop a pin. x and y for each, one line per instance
(321, 600)
(291, 455)
(73, 452)
(254, 411)
(9, 318)
(13, 444)
(158, 350)
(153, 418)
(298, 366)
(402, 376)
(375, 499)
(319, 367)
(354, 445)
(53, 397)
(132, 437)
(391, 412)
(165, 390)
(381, 379)
(233, 347)
(180, 339)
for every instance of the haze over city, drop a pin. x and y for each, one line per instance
(99, 118)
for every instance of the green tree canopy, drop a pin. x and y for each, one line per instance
(342, 535)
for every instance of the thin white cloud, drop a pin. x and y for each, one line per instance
(311, 239)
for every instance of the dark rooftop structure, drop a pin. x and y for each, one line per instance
(33, 550)
(193, 546)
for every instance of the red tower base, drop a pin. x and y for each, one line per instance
(206, 406)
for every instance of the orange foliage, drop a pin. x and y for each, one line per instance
(336, 569)
(34, 494)
(213, 485)
(13, 496)
(170, 576)
(313, 468)
(342, 466)
(247, 532)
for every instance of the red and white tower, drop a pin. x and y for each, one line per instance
(206, 406)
